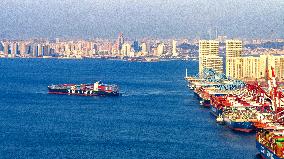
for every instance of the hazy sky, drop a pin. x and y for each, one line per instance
(141, 18)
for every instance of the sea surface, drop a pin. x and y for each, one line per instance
(156, 117)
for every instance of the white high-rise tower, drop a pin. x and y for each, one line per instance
(174, 48)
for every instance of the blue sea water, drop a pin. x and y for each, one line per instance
(156, 117)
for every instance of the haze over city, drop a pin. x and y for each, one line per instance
(141, 18)
(146, 79)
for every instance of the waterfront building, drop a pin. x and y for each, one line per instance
(209, 49)
(214, 62)
(160, 49)
(22, 48)
(6, 48)
(144, 49)
(234, 48)
(247, 68)
(136, 46)
(67, 50)
(126, 49)
(104, 48)
(39, 50)
(45, 50)
(14, 49)
(34, 50)
(114, 50)
(154, 51)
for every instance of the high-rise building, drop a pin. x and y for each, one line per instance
(95, 47)
(6, 49)
(174, 48)
(120, 41)
(89, 46)
(45, 50)
(126, 49)
(67, 49)
(247, 68)
(144, 48)
(209, 49)
(22, 48)
(136, 46)
(39, 50)
(234, 48)
(34, 50)
(14, 49)
(160, 49)
(214, 62)
(29, 49)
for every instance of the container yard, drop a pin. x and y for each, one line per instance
(248, 107)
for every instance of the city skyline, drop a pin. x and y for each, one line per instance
(138, 19)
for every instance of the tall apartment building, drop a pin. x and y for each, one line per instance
(144, 48)
(34, 50)
(160, 49)
(119, 42)
(214, 62)
(39, 50)
(126, 49)
(14, 49)
(174, 48)
(251, 67)
(248, 68)
(6, 49)
(209, 56)
(233, 50)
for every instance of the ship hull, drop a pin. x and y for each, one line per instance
(265, 152)
(240, 126)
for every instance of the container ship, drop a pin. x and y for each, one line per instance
(95, 89)
(270, 142)
(240, 118)
(242, 106)
(240, 112)
(212, 84)
(218, 104)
